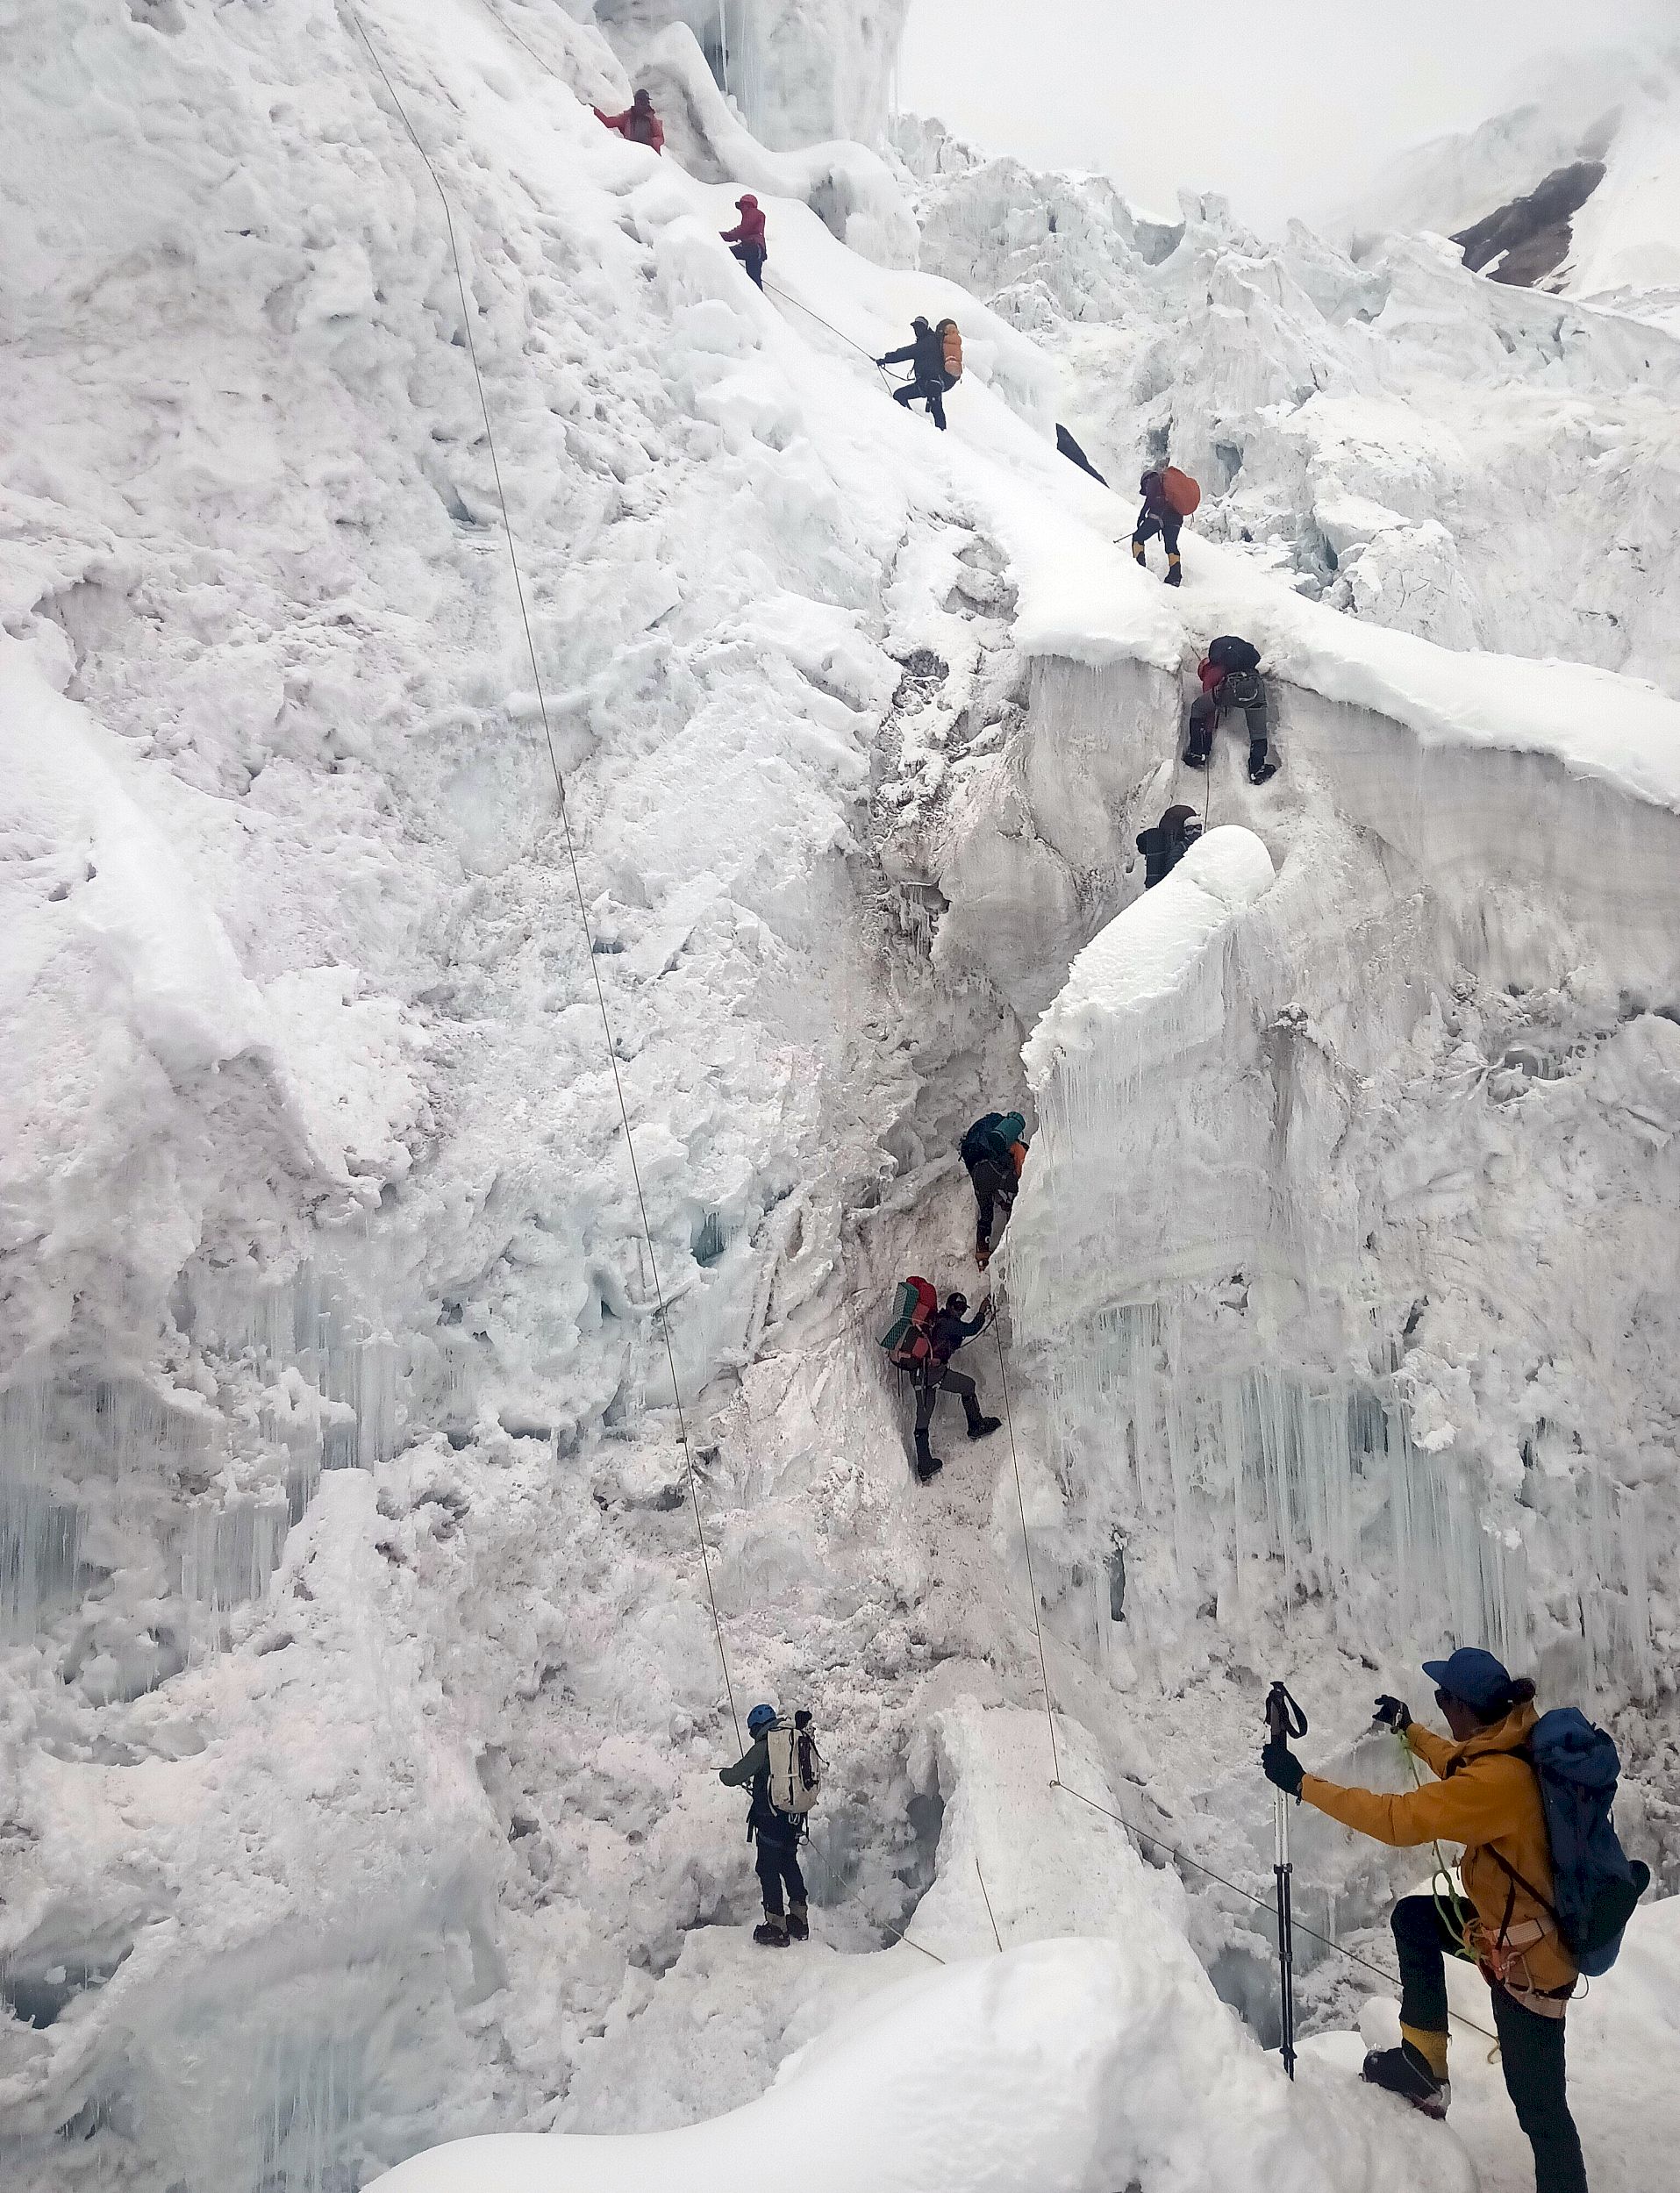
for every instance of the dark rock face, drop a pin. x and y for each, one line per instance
(1533, 232)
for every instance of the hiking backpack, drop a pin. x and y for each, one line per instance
(993, 1138)
(1595, 1884)
(950, 336)
(795, 1765)
(1228, 652)
(1179, 491)
(905, 1339)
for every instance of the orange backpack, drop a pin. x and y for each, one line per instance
(1180, 491)
(950, 346)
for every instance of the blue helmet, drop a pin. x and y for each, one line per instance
(760, 1718)
(1477, 1677)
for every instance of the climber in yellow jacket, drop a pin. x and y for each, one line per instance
(1486, 1798)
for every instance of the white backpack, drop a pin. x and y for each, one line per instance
(796, 1767)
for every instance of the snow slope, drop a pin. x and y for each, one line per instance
(360, 1702)
(1410, 442)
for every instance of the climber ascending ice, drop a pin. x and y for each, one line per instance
(639, 123)
(1526, 1853)
(1165, 846)
(783, 1769)
(935, 361)
(1169, 496)
(1231, 679)
(994, 1150)
(946, 1330)
(746, 240)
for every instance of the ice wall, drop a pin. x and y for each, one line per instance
(1342, 1252)
(798, 71)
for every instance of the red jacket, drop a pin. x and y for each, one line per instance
(640, 124)
(749, 229)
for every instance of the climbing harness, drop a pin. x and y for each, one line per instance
(1284, 1719)
(1441, 1880)
(661, 1315)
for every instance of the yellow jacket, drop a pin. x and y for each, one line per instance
(1489, 1801)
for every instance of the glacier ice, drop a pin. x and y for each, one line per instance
(359, 1701)
(1275, 1255)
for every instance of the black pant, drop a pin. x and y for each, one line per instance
(1531, 2048)
(1169, 527)
(1205, 713)
(993, 1184)
(950, 1382)
(752, 256)
(929, 392)
(777, 1862)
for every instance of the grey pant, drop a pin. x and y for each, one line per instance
(1204, 715)
(949, 1382)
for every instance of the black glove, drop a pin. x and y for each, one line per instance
(1394, 1713)
(1282, 1767)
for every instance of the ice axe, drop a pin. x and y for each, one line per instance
(1283, 1719)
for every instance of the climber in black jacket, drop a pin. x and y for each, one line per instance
(946, 1331)
(926, 358)
(1165, 846)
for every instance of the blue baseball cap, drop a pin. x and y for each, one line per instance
(763, 1716)
(1471, 1675)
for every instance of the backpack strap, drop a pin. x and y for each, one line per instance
(1516, 1881)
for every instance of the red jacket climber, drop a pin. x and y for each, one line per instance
(747, 238)
(750, 228)
(639, 124)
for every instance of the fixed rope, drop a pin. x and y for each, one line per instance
(571, 856)
(1299, 1926)
(549, 69)
(798, 306)
(1027, 1545)
(990, 1914)
(1180, 1857)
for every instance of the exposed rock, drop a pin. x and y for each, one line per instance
(1529, 237)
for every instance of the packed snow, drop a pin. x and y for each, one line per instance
(1406, 440)
(361, 1696)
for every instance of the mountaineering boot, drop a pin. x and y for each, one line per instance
(927, 1463)
(1259, 767)
(1175, 571)
(981, 1427)
(1137, 552)
(1195, 757)
(1404, 2071)
(798, 1924)
(773, 1934)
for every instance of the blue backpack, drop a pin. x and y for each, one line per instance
(1595, 1884)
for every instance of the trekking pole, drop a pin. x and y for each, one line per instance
(1284, 1719)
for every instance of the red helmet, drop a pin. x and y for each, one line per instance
(747, 199)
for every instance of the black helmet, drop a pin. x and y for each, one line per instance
(643, 98)
(958, 1302)
(919, 322)
(1151, 479)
